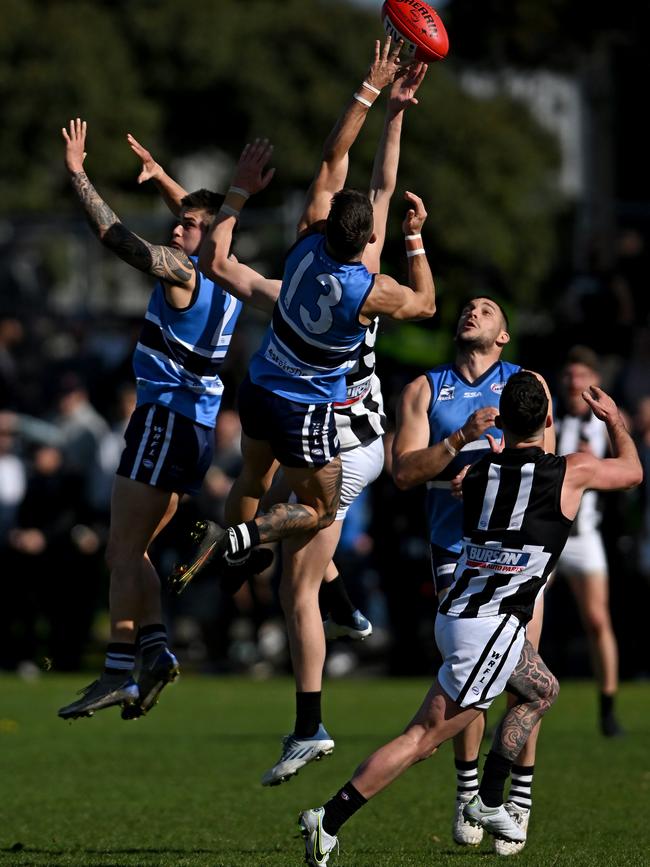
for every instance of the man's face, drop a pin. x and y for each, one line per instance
(575, 379)
(481, 325)
(190, 231)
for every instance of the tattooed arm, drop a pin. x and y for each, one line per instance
(166, 263)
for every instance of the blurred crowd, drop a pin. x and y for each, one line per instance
(66, 393)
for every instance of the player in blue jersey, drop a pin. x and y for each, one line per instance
(185, 336)
(328, 300)
(444, 424)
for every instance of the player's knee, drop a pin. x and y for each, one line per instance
(551, 691)
(596, 622)
(326, 517)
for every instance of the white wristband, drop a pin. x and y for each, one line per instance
(371, 87)
(408, 237)
(230, 212)
(452, 451)
(240, 192)
(419, 252)
(363, 101)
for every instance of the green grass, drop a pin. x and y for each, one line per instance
(181, 787)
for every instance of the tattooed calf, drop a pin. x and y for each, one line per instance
(536, 688)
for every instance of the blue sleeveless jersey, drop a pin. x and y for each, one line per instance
(315, 335)
(179, 353)
(453, 400)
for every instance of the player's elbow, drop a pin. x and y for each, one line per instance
(428, 309)
(635, 477)
(402, 477)
(424, 309)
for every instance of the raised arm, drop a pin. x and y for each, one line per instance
(415, 460)
(215, 260)
(586, 472)
(331, 175)
(167, 263)
(418, 299)
(169, 189)
(384, 172)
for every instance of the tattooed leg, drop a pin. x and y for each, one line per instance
(536, 689)
(318, 493)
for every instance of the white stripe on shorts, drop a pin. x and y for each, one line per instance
(143, 442)
(326, 439)
(479, 656)
(305, 433)
(164, 449)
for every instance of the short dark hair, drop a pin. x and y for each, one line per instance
(583, 355)
(349, 223)
(203, 200)
(524, 405)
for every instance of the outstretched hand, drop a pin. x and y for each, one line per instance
(150, 168)
(407, 81)
(75, 145)
(415, 216)
(386, 63)
(250, 174)
(601, 404)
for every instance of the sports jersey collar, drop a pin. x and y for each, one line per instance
(481, 379)
(529, 452)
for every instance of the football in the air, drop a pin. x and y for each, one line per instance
(419, 25)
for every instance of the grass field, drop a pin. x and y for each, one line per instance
(181, 787)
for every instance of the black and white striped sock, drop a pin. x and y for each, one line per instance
(466, 779)
(521, 785)
(152, 639)
(242, 538)
(120, 658)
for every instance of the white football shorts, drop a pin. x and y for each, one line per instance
(479, 655)
(583, 555)
(361, 466)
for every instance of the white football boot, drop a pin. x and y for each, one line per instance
(463, 832)
(318, 843)
(296, 753)
(495, 820)
(521, 816)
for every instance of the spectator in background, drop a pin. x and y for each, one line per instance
(583, 561)
(55, 554)
(13, 478)
(634, 378)
(11, 335)
(81, 427)
(110, 445)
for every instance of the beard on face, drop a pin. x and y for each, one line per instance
(472, 341)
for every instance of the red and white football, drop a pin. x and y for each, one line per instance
(419, 25)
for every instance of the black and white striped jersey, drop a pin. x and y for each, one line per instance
(514, 532)
(361, 419)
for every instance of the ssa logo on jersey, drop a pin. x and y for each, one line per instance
(504, 560)
(447, 392)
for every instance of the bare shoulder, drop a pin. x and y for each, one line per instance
(580, 467)
(417, 393)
